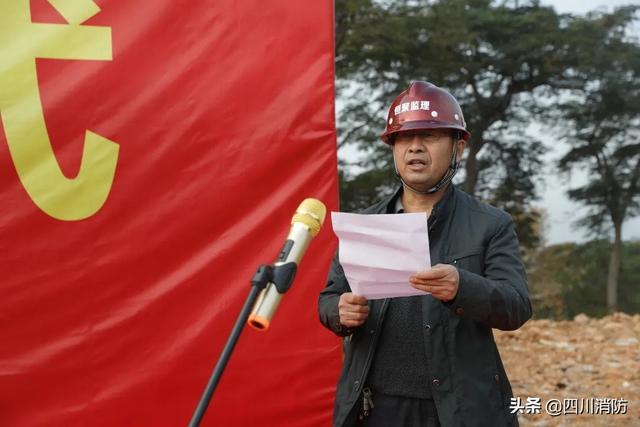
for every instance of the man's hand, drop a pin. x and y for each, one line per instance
(353, 309)
(441, 281)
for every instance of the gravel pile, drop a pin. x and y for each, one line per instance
(584, 372)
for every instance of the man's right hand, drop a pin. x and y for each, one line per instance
(353, 309)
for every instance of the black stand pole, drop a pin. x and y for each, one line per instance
(258, 283)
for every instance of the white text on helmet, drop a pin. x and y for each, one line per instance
(411, 106)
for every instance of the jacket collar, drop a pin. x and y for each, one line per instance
(440, 210)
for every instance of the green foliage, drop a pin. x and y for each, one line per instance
(604, 130)
(504, 61)
(357, 193)
(603, 124)
(484, 54)
(568, 279)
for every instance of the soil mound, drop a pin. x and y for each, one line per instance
(585, 372)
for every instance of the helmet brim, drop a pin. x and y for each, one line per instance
(423, 125)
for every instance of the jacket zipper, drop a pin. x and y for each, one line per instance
(367, 364)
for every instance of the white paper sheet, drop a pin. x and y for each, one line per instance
(380, 252)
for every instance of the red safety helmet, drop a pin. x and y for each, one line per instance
(424, 106)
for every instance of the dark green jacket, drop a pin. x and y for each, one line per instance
(468, 381)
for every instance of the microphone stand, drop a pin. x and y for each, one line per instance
(281, 276)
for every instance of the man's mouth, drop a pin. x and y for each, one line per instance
(416, 162)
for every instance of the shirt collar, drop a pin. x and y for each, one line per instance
(440, 210)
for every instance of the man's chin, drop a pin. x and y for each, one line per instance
(418, 186)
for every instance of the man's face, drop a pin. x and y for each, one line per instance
(423, 156)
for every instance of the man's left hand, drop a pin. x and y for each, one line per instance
(441, 281)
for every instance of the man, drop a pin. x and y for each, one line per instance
(431, 360)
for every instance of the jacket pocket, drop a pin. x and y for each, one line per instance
(470, 259)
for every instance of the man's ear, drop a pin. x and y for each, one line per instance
(461, 144)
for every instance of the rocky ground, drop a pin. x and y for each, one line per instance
(586, 364)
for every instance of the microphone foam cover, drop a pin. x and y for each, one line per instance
(311, 213)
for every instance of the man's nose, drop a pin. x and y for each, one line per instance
(415, 144)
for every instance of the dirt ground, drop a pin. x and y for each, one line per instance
(585, 365)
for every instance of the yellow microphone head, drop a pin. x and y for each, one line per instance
(311, 213)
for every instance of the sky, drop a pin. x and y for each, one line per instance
(561, 212)
(583, 6)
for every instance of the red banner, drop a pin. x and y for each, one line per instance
(151, 157)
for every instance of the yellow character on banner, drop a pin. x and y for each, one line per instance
(21, 42)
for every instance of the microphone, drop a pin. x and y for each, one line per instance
(305, 225)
